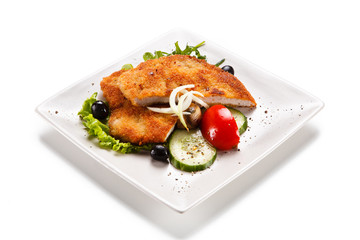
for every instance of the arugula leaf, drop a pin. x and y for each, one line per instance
(148, 55)
(159, 54)
(220, 62)
(100, 130)
(187, 51)
(177, 49)
(127, 67)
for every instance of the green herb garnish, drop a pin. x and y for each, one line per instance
(100, 130)
(187, 51)
(157, 54)
(127, 67)
(220, 62)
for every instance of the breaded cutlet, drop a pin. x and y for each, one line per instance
(134, 124)
(152, 82)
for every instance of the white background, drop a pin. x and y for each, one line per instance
(309, 188)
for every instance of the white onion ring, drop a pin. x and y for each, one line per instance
(184, 102)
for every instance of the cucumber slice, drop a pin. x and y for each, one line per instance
(189, 151)
(240, 119)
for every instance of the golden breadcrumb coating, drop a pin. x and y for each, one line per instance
(152, 81)
(139, 125)
(134, 124)
(110, 88)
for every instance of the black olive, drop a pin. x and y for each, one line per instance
(159, 152)
(228, 69)
(100, 110)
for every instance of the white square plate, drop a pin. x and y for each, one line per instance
(282, 109)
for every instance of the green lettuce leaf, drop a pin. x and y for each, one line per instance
(86, 108)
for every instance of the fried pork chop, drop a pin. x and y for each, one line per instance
(152, 82)
(134, 124)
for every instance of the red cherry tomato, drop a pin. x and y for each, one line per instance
(219, 128)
